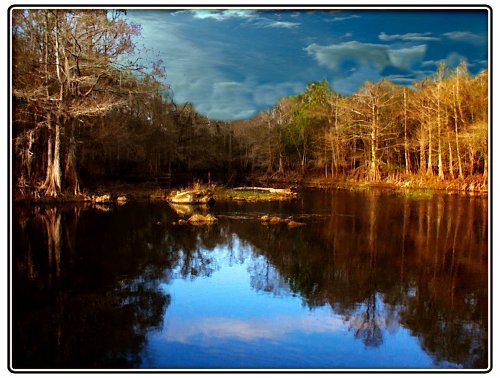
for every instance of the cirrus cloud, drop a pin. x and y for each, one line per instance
(220, 15)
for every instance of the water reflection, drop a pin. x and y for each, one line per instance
(369, 276)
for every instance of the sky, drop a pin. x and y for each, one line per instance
(233, 63)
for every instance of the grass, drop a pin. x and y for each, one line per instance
(221, 193)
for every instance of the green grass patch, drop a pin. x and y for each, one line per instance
(228, 194)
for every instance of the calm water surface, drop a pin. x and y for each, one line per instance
(374, 280)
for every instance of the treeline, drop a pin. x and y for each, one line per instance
(438, 128)
(84, 110)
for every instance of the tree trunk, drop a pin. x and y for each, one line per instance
(52, 184)
(440, 152)
(374, 173)
(450, 153)
(269, 148)
(429, 155)
(70, 171)
(455, 113)
(407, 153)
(471, 156)
(422, 156)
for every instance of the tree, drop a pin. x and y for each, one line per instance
(370, 103)
(69, 67)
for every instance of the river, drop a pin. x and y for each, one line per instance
(373, 280)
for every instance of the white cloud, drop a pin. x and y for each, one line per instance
(282, 24)
(366, 54)
(452, 60)
(465, 36)
(343, 18)
(408, 37)
(405, 58)
(221, 15)
(228, 85)
(254, 17)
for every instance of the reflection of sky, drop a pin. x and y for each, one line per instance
(222, 322)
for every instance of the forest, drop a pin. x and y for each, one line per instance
(85, 110)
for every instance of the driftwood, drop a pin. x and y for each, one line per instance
(263, 189)
(192, 197)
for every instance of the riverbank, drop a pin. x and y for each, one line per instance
(473, 186)
(121, 192)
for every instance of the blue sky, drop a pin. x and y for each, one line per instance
(233, 63)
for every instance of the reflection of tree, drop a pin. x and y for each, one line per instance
(265, 277)
(427, 272)
(367, 324)
(427, 259)
(70, 309)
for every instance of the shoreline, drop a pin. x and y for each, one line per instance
(116, 192)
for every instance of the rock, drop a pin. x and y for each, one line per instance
(180, 222)
(121, 199)
(271, 220)
(197, 219)
(265, 218)
(101, 199)
(275, 220)
(293, 224)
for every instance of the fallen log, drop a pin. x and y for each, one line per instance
(264, 189)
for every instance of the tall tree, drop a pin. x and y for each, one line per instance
(76, 70)
(370, 104)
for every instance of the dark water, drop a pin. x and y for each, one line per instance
(372, 281)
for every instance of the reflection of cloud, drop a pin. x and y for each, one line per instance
(368, 54)
(408, 37)
(182, 330)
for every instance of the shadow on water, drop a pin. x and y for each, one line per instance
(86, 281)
